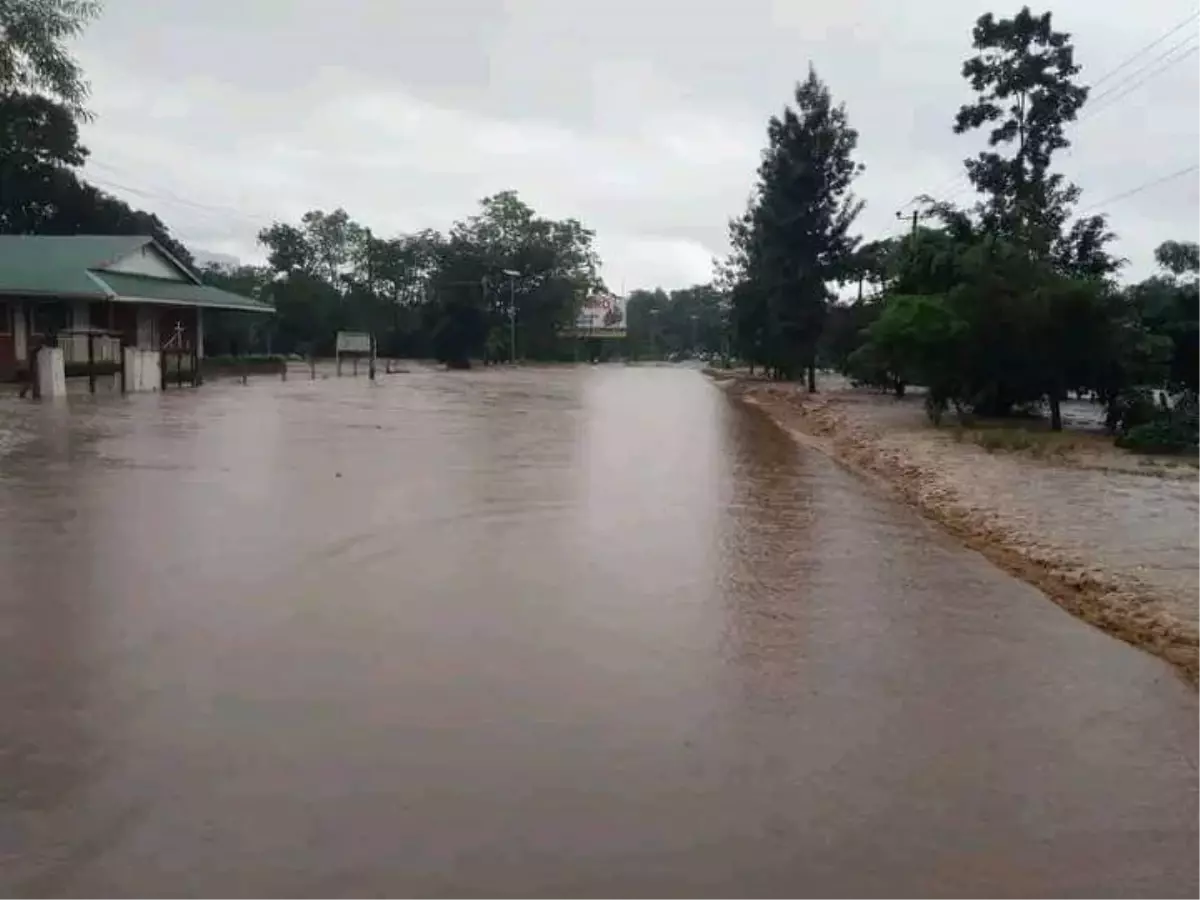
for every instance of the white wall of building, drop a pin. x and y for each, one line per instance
(146, 261)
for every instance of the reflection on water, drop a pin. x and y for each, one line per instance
(583, 631)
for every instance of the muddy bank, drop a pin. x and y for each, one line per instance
(1116, 549)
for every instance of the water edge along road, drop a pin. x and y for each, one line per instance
(583, 631)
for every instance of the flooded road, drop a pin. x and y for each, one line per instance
(593, 631)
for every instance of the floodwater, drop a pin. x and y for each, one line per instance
(595, 631)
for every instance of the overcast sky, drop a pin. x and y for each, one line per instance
(642, 118)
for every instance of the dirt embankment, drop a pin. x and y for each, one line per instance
(1112, 545)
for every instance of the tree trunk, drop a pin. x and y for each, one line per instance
(1055, 412)
(898, 387)
(812, 377)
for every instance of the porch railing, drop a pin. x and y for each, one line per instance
(90, 347)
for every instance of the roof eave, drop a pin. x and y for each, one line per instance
(50, 296)
(122, 298)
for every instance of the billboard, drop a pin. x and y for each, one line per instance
(601, 316)
(353, 342)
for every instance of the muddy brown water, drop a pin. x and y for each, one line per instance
(596, 631)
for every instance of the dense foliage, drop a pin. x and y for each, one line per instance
(686, 323)
(1012, 304)
(450, 296)
(42, 93)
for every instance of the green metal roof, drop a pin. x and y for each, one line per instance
(42, 264)
(147, 289)
(73, 266)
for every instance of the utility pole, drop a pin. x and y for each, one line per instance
(916, 214)
(915, 217)
(512, 314)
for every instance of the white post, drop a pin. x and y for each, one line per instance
(52, 377)
(19, 347)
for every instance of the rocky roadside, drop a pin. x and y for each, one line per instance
(1118, 549)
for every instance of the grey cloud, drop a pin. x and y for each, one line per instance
(643, 119)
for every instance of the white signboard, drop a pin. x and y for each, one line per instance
(353, 342)
(602, 315)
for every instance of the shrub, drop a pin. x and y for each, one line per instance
(1130, 409)
(1161, 436)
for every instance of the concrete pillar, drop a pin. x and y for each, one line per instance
(143, 370)
(20, 347)
(52, 377)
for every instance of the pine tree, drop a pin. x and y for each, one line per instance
(799, 228)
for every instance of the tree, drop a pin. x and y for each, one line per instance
(33, 55)
(38, 141)
(233, 333)
(1179, 257)
(921, 339)
(688, 321)
(796, 237)
(556, 267)
(643, 310)
(39, 191)
(1024, 79)
(42, 92)
(428, 293)
(1169, 307)
(871, 263)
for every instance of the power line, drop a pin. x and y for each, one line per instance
(1129, 88)
(168, 197)
(1150, 46)
(1140, 188)
(1116, 92)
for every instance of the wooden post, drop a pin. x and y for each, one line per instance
(355, 365)
(91, 339)
(162, 369)
(312, 367)
(35, 384)
(338, 357)
(371, 361)
(124, 373)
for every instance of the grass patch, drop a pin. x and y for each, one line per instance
(1022, 437)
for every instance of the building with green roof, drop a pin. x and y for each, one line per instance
(129, 290)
